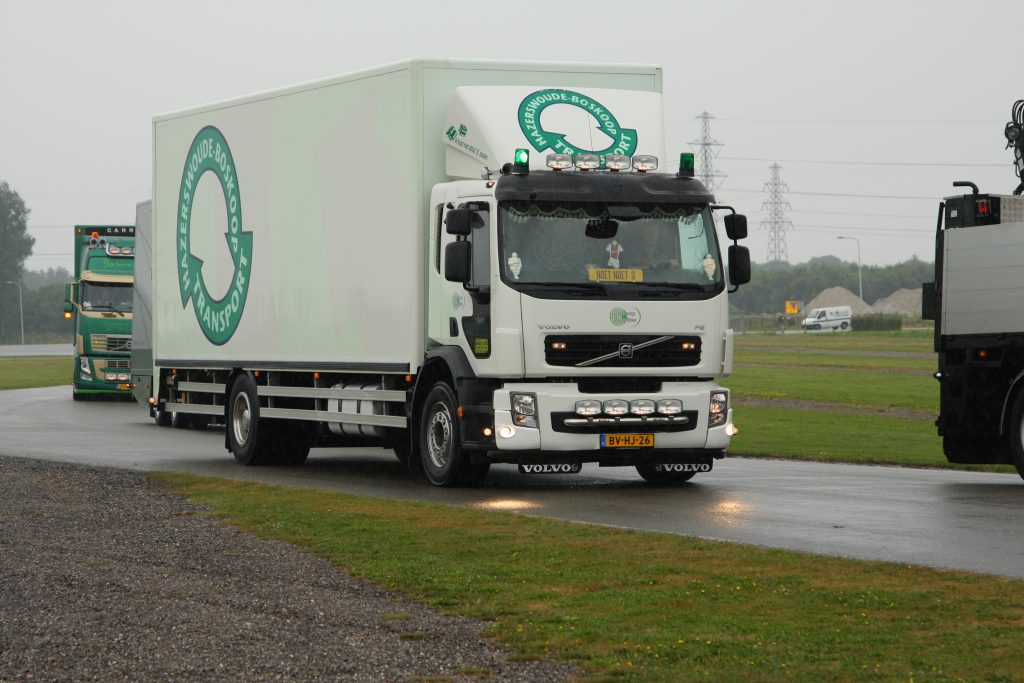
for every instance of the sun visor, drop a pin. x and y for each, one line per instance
(485, 125)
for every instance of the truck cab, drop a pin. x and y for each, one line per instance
(562, 291)
(99, 302)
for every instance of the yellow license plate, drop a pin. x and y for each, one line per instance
(627, 440)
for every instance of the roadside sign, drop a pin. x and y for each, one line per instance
(793, 307)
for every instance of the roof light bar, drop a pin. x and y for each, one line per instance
(559, 162)
(587, 162)
(645, 162)
(616, 162)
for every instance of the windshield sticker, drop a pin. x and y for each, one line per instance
(615, 274)
(515, 265)
(709, 266)
(614, 250)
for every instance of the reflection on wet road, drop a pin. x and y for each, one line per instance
(961, 520)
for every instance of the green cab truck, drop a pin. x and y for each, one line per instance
(99, 302)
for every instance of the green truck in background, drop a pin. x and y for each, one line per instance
(99, 302)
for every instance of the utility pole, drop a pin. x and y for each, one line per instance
(21, 309)
(707, 149)
(860, 280)
(775, 208)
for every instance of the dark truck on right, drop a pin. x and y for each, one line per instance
(977, 303)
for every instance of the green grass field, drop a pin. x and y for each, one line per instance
(31, 371)
(630, 606)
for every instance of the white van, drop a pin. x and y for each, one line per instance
(832, 317)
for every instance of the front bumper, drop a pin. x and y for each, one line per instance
(559, 429)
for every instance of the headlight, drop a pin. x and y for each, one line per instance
(616, 407)
(111, 376)
(524, 410)
(642, 406)
(718, 408)
(670, 406)
(588, 407)
(84, 364)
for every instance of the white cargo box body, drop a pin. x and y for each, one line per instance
(983, 275)
(290, 227)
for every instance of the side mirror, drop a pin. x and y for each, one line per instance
(457, 261)
(458, 221)
(929, 301)
(736, 226)
(67, 294)
(68, 308)
(739, 265)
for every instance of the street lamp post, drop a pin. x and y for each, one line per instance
(21, 310)
(860, 280)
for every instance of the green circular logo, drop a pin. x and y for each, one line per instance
(218, 318)
(620, 317)
(623, 139)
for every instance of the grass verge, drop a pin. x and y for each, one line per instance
(841, 387)
(34, 371)
(629, 606)
(827, 437)
(915, 342)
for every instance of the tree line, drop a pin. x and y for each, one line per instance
(772, 284)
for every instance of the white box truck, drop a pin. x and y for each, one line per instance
(468, 262)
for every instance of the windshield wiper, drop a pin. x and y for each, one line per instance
(670, 288)
(589, 287)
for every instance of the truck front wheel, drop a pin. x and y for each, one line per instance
(248, 437)
(655, 473)
(444, 461)
(1015, 433)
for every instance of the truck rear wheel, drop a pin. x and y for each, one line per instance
(654, 473)
(444, 461)
(1015, 433)
(249, 439)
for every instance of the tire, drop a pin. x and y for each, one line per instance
(249, 438)
(402, 451)
(292, 439)
(844, 326)
(444, 461)
(75, 396)
(181, 420)
(1015, 433)
(652, 474)
(162, 417)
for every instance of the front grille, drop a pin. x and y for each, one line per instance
(119, 363)
(621, 351)
(110, 342)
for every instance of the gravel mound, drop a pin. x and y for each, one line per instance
(106, 577)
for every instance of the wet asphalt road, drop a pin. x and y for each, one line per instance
(961, 520)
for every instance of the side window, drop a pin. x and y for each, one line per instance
(481, 239)
(438, 227)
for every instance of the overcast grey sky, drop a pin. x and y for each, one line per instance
(871, 108)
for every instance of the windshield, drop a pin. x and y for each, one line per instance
(106, 297)
(631, 247)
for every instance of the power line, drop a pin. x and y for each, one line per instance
(839, 194)
(834, 162)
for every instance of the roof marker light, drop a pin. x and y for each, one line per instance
(685, 165)
(521, 162)
(587, 162)
(616, 162)
(559, 162)
(645, 162)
